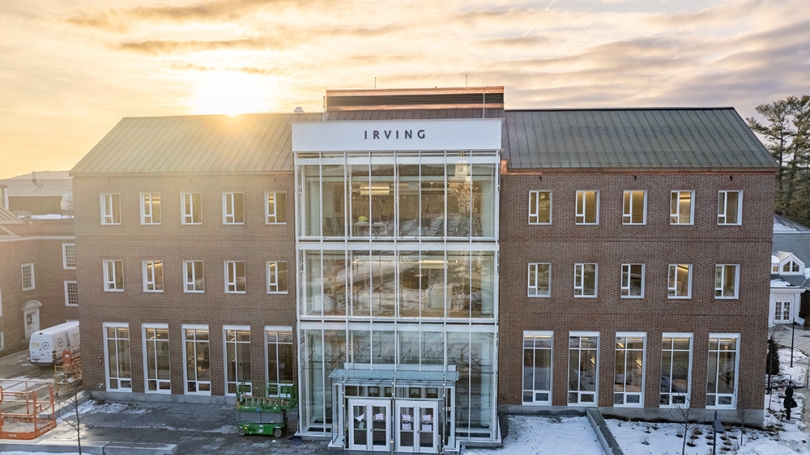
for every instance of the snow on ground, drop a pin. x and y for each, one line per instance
(797, 373)
(546, 435)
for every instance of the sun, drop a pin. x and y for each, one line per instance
(232, 93)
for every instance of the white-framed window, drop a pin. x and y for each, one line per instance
(28, 279)
(110, 208)
(782, 311)
(150, 208)
(538, 365)
(279, 360)
(676, 369)
(235, 278)
(726, 281)
(583, 368)
(71, 293)
(635, 207)
(276, 277)
(233, 211)
(682, 207)
(723, 364)
(69, 256)
(191, 208)
(729, 208)
(152, 276)
(156, 365)
(539, 279)
(539, 207)
(585, 279)
(679, 281)
(791, 266)
(117, 353)
(193, 276)
(628, 381)
(197, 358)
(237, 357)
(587, 207)
(632, 284)
(113, 275)
(275, 208)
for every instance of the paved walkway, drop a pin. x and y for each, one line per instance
(783, 335)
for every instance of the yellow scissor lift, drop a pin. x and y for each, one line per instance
(263, 410)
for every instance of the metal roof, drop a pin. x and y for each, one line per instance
(783, 225)
(195, 144)
(681, 138)
(26, 187)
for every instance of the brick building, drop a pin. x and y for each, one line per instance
(417, 260)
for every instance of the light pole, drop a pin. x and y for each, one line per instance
(718, 428)
(792, 336)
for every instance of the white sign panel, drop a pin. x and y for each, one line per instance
(445, 134)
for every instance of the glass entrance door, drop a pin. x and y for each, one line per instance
(417, 426)
(370, 428)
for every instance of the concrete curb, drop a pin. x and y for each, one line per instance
(603, 434)
(91, 448)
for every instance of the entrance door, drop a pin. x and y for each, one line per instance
(417, 426)
(31, 322)
(370, 428)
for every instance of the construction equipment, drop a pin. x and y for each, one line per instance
(263, 410)
(68, 376)
(26, 408)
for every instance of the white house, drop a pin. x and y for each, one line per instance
(789, 276)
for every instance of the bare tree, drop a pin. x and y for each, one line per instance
(686, 416)
(68, 381)
(743, 411)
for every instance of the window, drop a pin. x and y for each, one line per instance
(676, 369)
(2, 341)
(68, 256)
(782, 311)
(193, 276)
(232, 208)
(585, 280)
(539, 279)
(679, 284)
(632, 280)
(157, 368)
(152, 276)
(791, 267)
(113, 275)
(587, 207)
(681, 208)
(235, 277)
(721, 380)
(539, 207)
(279, 360)
(729, 208)
(191, 208)
(237, 357)
(276, 208)
(116, 351)
(628, 382)
(150, 208)
(28, 281)
(726, 277)
(583, 368)
(537, 367)
(71, 293)
(276, 277)
(635, 207)
(197, 358)
(110, 209)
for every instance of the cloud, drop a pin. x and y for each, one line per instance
(156, 47)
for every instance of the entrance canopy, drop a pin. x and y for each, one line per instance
(395, 378)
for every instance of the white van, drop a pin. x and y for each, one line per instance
(47, 345)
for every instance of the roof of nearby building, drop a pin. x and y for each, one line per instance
(783, 225)
(7, 217)
(683, 138)
(39, 184)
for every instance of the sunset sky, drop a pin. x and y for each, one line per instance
(71, 69)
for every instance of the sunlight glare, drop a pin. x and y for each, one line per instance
(232, 93)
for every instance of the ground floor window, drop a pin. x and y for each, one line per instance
(537, 367)
(157, 367)
(628, 383)
(116, 351)
(676, 369)
(782, 311)
(583, 368)
(721, 380)
(197, 358)
(279, 361)
(237, 357)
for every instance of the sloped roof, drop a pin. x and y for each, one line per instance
(7, 217)
(784, 225)
(798, 244)
(680, 138)
(26, 187)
